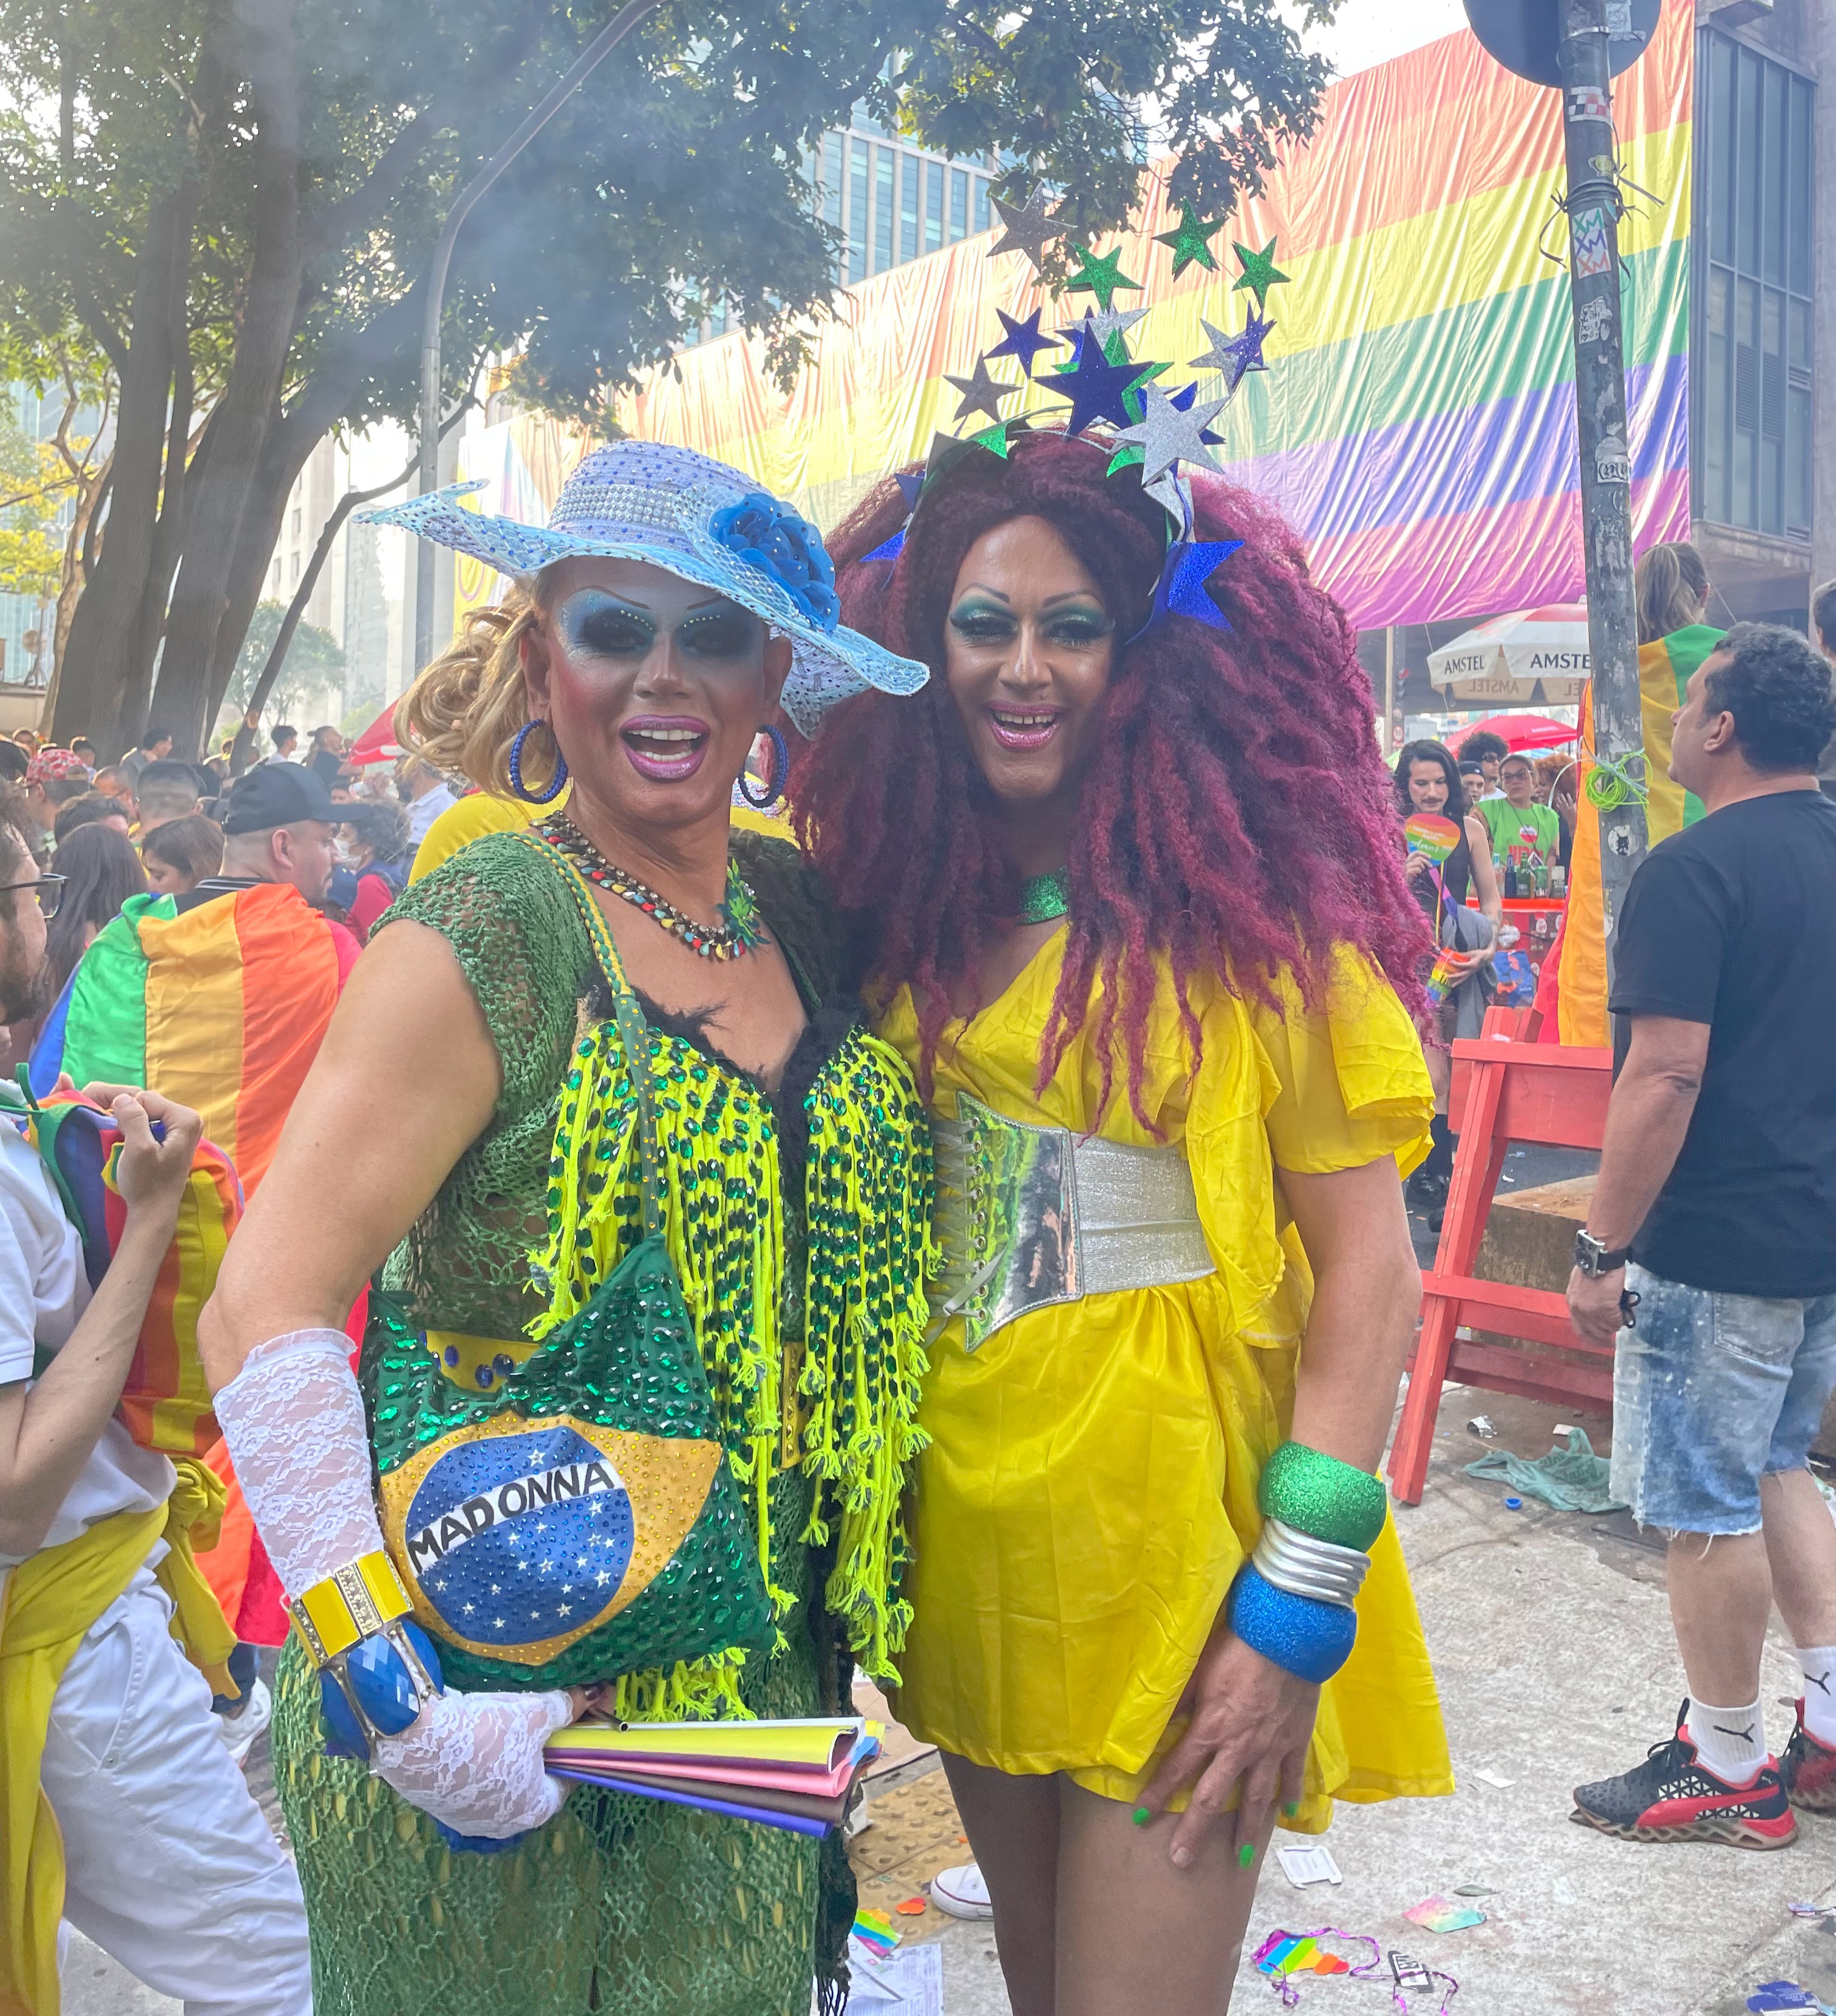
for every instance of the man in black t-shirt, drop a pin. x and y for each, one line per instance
(1718, 1180)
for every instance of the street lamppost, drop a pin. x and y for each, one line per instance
(595, 53)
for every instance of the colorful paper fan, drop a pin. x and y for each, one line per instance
(798, 1775)
(1429, 834)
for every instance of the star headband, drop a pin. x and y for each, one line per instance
(1155, 433)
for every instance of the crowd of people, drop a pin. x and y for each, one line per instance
(748, 912)
(149, 824)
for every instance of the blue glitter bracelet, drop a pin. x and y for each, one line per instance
(1310, 1640)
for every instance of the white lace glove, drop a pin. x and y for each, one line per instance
(293, 1418)
(475, 1762)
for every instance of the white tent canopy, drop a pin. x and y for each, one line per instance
(1538, 657)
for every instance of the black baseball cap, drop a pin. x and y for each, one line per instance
(275, 794)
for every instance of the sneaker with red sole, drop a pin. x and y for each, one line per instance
(1808, 1770)
(1674, 1796)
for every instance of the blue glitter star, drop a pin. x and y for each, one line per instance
(1181, 589)
(1096, 388)
(889, 550)
(1235, 356)
(1024, 339)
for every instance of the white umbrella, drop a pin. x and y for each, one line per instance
(1537, 657)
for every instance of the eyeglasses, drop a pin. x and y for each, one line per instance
(49, 889)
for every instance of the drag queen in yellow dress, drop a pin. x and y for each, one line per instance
(1131, 907)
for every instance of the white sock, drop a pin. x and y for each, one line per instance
(1819, 1664)
(1730, 1741)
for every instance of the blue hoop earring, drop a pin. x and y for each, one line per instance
(555, 789)
(780, 772)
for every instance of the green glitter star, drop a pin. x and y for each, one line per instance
(1102, 277)
(1191, 242)
(1259, 271)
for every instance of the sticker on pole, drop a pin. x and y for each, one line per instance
(1595, 322)
(1592, 250)
(1611, 463)
(1588, 101)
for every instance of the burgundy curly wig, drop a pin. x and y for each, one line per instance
(1235, 814)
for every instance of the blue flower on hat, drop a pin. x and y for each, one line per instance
(772, 538)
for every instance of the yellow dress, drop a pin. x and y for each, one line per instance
(1090, 1487)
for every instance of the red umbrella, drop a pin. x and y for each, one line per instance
(377, 742)
(1520, 731)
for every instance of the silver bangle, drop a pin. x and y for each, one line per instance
(1303, 1566)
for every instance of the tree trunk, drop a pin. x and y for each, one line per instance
(71, 582)
(166, 530)
(251, 403)
(285, 457)
(98, 659)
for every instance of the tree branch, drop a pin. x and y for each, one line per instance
(289, 623)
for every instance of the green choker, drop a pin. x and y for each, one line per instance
(1044, 897)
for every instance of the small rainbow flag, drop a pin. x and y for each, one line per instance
(165, 1402)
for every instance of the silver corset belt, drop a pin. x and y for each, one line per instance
(1027, 1216)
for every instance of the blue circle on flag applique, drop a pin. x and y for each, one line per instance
(519, 1539)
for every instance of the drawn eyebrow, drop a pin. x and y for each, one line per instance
(1070, 595)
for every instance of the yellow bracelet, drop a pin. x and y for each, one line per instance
(363, 1596)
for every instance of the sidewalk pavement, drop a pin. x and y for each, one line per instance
(1551, 1640)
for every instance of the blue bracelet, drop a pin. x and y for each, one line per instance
(377, 1688)
(1310, 1640)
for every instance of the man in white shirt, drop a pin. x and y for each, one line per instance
(428, 794)
(167, 1863)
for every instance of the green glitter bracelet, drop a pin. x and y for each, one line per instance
(1319, 1495)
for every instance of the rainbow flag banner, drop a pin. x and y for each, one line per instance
(222, 1009)
(1416, 421)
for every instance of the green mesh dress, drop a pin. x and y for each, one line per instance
(800, 1230)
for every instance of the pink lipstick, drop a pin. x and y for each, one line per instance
(665, 748)
(1023, 727)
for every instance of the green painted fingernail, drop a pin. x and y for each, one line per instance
(1247, 1854)
(1141, 1815)
(1292, 1809)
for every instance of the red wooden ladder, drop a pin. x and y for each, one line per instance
(1506, 1087)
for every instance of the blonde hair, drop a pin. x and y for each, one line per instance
(1671, 585)
(463, 712)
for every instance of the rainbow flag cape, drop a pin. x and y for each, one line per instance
(165, 1403)
(1664, 670)
(222, 1008)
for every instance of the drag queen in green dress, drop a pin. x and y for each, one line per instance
(631, 1419)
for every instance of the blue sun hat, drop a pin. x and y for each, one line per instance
(702, 521)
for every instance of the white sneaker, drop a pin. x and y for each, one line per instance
(239, 1731)
(962, 1893)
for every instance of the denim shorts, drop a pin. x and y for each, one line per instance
(1712, 1393)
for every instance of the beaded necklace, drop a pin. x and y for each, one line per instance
(1044, 898)
(738, 930)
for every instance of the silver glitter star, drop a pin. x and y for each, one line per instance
(1169, 491)
(1220, 358)
(1106, 322)
(1166, 435)
(1029, 230)
(982, 392)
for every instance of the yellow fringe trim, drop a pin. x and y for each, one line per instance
(869, 1203)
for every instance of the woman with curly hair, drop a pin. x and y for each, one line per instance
(1131, 906)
